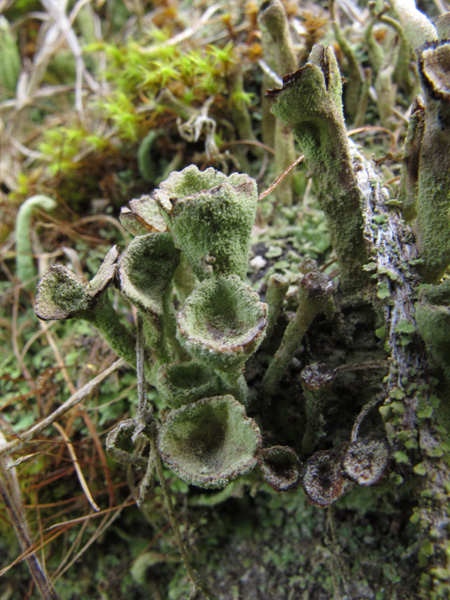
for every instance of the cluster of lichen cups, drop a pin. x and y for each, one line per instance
(190, 250)
(191, 247)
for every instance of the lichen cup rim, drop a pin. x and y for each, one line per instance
(209, 341)
(175, 395)
(148, 251)
(207, 180)
(210, 458)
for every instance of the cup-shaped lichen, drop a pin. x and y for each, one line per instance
(209, 443)
(181, 383)
(323, 480)
(280, 467)
(120, 444)
(62, 294)
(310, 102)
(222, 323)
(146, 269)
(210, 216)
(365, 460)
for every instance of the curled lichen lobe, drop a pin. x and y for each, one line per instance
(434, 69)
(61, 294)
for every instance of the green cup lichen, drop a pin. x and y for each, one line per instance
(181, 383)
(310, 102)
(210, 217)
(280, 467)
(209, 443)
(146, 269)
(222, 323)
(62, 294)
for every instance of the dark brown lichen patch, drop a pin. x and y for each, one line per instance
(365, 461)
(323, 480)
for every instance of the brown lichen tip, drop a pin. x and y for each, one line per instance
(317, 376)
(316, 284)
(209, 443)
(321, 64)
(61, 294)
(288, 79)
(143, 216)
(434, 69)
(280, 467)
(323, 481)
(365, 460)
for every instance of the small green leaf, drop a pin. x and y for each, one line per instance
(383, 291)
(381, 332)
(401, 457)
(420, 469)
(397, 393)
(405, 327)
(372, 266)
(425, 413)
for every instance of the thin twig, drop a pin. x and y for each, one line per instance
(85, 518)
(280, 178)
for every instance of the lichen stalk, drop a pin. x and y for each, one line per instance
(314, 294)
(25, 269)
(116, 335)
(277, 287)
(280, 56)
(310, 102)
(408, 188)
(316, 382)
(433, 224)
(353, 90)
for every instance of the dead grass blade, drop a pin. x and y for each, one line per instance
(77, 397)
(77, 467)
